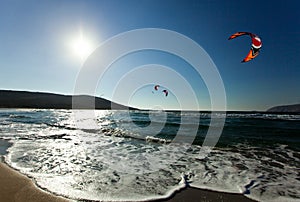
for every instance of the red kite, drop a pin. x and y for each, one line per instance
(256, 44)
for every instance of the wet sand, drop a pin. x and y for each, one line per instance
(15, 187)
(200, 195)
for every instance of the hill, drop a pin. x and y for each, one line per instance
(40, 100)
(286, 108)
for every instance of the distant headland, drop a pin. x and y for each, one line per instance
(286, 108)
(41, 100)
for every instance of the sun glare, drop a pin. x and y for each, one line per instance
(81, 46)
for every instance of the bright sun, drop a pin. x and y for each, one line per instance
(81, 46)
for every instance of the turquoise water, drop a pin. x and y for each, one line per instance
(136, 155)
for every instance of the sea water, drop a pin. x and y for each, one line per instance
(132, 156)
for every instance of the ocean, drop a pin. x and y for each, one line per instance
(115, 155)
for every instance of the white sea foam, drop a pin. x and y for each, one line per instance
(265, 116)
(96, 165)
(117, 168)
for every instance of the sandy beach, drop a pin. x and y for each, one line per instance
(199, 195)
(16, 187)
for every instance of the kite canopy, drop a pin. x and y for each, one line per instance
(255, 47)
(166, 92)
(156, 87)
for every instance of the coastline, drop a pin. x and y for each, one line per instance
(16, 187)
(191, 194)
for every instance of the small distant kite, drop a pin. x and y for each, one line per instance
(166, 92)
(156, 87)
(256, 44)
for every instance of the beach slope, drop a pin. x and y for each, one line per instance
(16, 187)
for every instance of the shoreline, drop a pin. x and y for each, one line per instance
(192, 194)
(17, 187)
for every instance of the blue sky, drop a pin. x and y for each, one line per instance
(35, 53)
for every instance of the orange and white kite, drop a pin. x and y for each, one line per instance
(255, 47)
